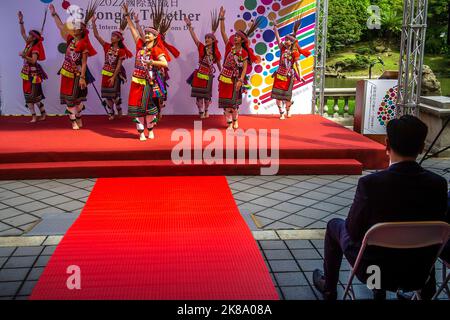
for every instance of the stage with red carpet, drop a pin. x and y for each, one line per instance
(167, 238)
(308, 144)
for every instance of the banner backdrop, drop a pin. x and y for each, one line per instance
(239, 13)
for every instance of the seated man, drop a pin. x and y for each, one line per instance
(403, 192)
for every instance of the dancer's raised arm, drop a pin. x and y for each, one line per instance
(223, 30)
(138, 25)
(133, 29)
(57, 19)
(96, 33)
(22, 26)
(277, 33)
(191, 31)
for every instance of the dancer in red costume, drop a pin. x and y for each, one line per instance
(113, 72)
(238, 57)
(288, 70)
(74, 71)
(32, 73)
(148, 86)
(209, 55)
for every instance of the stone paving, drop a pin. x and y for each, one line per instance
(281, 203)
(23, 203)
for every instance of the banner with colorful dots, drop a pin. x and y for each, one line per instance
(284, 13)
(239, 14)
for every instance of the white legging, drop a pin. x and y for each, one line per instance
(140, 123)
(111, 104)
(31, 107)
(284, 106)
(231, 115)
(203, 105)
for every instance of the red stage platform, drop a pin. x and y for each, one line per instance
(308, 144)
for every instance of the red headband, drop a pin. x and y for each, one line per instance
(118, 34)
(291, 37)
(36, 35)
(152, 31)
(211, 35)
(242, 35)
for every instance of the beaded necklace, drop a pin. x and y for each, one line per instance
(112, 55)
(26, 51)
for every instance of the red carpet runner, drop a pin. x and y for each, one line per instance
(159, 238)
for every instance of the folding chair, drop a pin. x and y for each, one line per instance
(401, 235)
(445, 280)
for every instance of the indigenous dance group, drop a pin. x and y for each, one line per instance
(149, 90)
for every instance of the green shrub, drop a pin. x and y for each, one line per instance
(358, 63)
(363, 50)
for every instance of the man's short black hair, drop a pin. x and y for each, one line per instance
(407, 135)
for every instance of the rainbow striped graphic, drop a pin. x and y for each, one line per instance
(285, 13)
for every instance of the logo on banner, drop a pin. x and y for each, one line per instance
(387, 109)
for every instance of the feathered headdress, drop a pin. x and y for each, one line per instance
(124, 22)
(86, 42)
(297, 25)
(246, 35)
(293, 38)
(161, 24)
(251, 30)
(122, 26)
(90, 11)
(39, 46)
(215, 22)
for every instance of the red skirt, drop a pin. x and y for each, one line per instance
(228, 96)
(108, 91)
(201, 88)
(71, 93)
(32, 92)
(282, 89)
(142, 101)
(136, 92)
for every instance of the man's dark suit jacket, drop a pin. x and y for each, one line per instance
(403, 192)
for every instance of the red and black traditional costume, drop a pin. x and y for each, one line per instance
(148, 85)
(112, 58)
(33, 74)
(202, 78)
(232, 70)
(284, 77)
(71, 94)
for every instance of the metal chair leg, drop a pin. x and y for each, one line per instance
(349, 288)
(352, 293)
